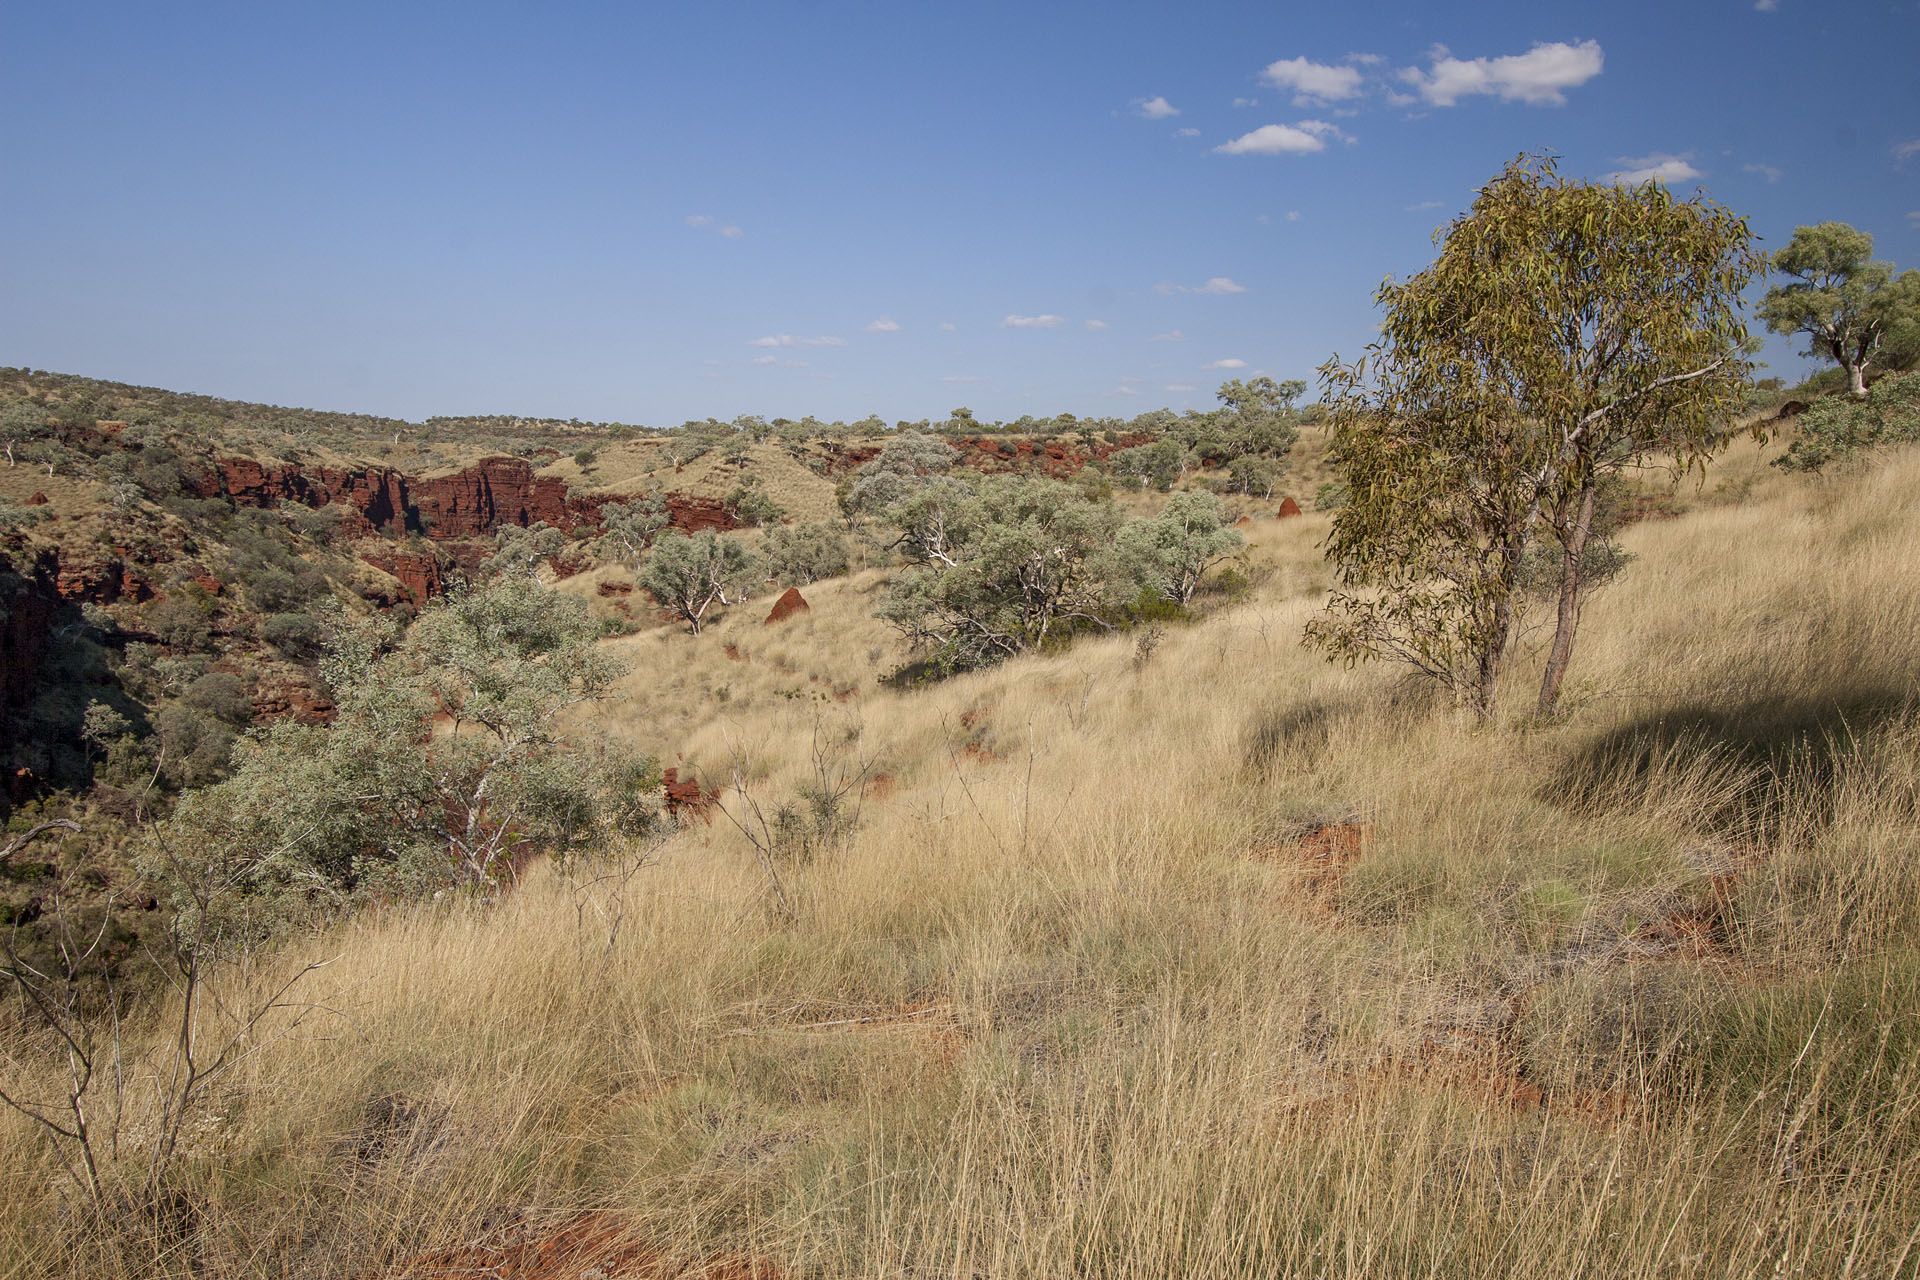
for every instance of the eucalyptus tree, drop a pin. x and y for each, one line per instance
(1849, 307)
(445, 759)
(1172, 552)
(692, 574)
(1021, 561)
(1566, 331)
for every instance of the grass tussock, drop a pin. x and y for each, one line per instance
(1220, 962)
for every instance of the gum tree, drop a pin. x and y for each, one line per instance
(1566, 331)
(1849, 307)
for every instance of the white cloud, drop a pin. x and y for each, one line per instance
(1293, 215)
(1155, 108)
(1215, 285)
(1135, 378)
(784, 364)
(1364, 59)
(1540, 76)
(766, 359)
(1646, 168)
(1423, 206)
(947, 326)
(1179, 386)
(1766, 6)
(885, 324)
(1186, 133)
(1766, 171)
(1263, 218)
(1913, 219)
(1906, 150)
(1313, 83)
(703, 220)
(1033, 322)
(1284, 139)
(1096, 324)
(1246, 102)
(1124, 390)
(788, 340)
(1226, 364)
(1171, 335)
(956, 379)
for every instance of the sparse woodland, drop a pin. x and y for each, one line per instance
(395, 890)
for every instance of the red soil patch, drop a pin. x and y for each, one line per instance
(594, 1243)
(38, 500)
(615, 588)
(979, 754)
(790, 603)
(733, 652)
(1289, 508)
(880, 786)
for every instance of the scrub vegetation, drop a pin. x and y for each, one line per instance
(391, 896)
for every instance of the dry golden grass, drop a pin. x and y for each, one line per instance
(1074, 989)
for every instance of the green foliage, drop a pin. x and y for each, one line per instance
(691, 574)
(1565, 331)
(1852, 310)
(521, 551)
(750, 503)
(1835, 429)
(906, 464)
(1173, 551)
(627, 529)
(800, 554)
(295, 635)
(1019, 561)
(443, 763)
(1158, 464)
(1331, 496)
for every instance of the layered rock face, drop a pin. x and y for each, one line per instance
(462, 508)
(466, 504)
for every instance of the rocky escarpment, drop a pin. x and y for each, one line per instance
(455, 509)
(468, 503)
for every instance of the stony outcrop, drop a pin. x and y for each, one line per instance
(688, 799)
(288, 698)
(465, 504)
(791, 602)
(419, 572)
(84, 573)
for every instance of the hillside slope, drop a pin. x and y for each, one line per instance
(1195, 958)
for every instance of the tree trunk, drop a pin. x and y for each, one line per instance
(1486, 690)
(1857, 379)
(1574, 543)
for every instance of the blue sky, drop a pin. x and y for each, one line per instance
(650, 213)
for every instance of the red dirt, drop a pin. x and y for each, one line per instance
(733, 653)
(38, 500)
(615, 588)
(1288, 508)
(790, 603)
(595, 1243)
